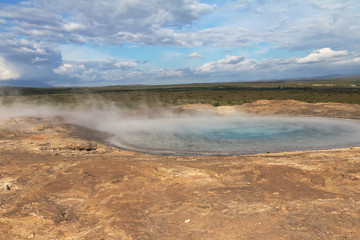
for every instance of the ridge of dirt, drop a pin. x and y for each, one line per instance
(279, 108)
(297, 108)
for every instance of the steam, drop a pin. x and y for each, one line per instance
(162, 131)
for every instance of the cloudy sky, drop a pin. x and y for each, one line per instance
(111, 42)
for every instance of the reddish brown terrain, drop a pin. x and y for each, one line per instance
(58, 181)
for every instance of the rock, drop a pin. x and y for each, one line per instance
(31, 235)
(187, 221)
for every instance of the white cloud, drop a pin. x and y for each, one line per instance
(229, 68)
(319, 62)
(67, 68)
(322, 55)
(78, 72)
(113, 71)
(194, 55)
(124, 64)
(7, 72)
(228, 64)
(38, 59)
(109, 71)
(73, 26)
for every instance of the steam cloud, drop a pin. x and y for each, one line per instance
(165, 132)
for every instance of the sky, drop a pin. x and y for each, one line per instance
(117, 42)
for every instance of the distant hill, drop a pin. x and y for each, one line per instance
(25, 83)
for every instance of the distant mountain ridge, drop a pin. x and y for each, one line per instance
(40, 84)
(25, 83)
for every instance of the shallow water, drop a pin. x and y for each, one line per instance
(235, 135)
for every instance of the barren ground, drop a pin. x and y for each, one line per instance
(58, 181)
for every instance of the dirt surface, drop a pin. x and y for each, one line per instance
(296, 108)
(58, 181)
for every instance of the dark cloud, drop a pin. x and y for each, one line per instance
(105, 21)
(160, 22)
(29, 59)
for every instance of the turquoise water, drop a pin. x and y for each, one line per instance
(236, 136)
(245, 131)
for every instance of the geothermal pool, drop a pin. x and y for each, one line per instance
(234, 135)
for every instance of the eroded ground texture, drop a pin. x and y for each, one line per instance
(58, 181)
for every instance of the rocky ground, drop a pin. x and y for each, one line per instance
(59, 181)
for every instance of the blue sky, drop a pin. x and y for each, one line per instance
(110, 42)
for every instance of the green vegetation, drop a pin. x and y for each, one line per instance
(342, 90)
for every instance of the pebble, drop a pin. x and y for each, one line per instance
(31, 235)
(187, 221)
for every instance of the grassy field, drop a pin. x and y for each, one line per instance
(341, 89)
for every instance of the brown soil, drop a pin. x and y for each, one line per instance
(58, 181)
